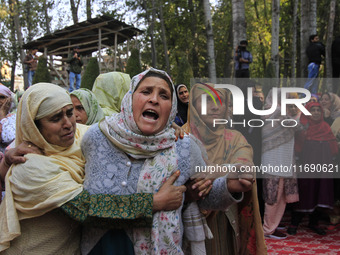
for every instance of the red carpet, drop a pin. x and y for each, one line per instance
(306, 241)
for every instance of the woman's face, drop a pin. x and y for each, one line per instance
(183, 95)
(213, 111)
(316, 113)
(325, 101)
(79, 111)
(151, 105)
(59, 128)
(292, 110)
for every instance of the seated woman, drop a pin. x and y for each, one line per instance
(237, 230)
(86, 107)
(135, 151)
(182, 104)
(31, 221)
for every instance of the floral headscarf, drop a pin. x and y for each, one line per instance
(122, 130)
(90, 103)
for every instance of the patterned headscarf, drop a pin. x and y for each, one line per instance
(91, 106)
(122, 130)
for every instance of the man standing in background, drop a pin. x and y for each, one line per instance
(242, 60)
(75, 68)
(31, 61)
(314, 51)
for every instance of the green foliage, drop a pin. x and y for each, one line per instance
(42, 74)
(90, 74)
(133, 66)
(184, 73)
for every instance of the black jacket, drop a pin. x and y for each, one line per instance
(314, 52)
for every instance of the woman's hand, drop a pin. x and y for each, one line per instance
(197, 189)
(240, 182)
(16, 155)
(169, 197)
(179, 132)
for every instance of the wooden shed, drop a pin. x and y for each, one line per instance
(92, 35)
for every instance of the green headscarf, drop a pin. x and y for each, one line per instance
(90, 103)
(110, 89)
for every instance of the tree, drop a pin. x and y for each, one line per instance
(275, 36)
(239, 22)
(210, 41)
(308, 27)
(90, 74)
(133, 66)
(330, 29)
(74, 10)
(184, 72)
(42, 74)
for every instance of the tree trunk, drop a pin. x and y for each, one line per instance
(165, 45)
(28, 6)
(308, 27)
(330, 29)
(88, 9)
(210, 41)
(262, 49)
(275, 36)
(294, 41)
(194, 54)
(153, 43)
(47, 18)
(17, 27)
(239, 22)
(74, 11)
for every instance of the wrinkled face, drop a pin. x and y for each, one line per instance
(213, 111)
(79, 111)
(183, 95)
(325, 101)
(151, 105)
(316, 113)
(59, 128)
(3, 99)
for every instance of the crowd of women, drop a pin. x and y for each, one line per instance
(108, 172)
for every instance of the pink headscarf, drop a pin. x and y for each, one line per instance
(5, 91)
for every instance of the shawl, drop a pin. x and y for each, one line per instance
(92, 108)
(335, 105)
(318, 130)
(225, 146)
(109, 89)
(161, 161)
(273, 134)
(43, 182)
(182, 108)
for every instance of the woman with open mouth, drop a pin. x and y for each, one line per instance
(135, 151)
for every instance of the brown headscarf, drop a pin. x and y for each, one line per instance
(225, 146)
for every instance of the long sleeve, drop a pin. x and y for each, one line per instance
(114, 211)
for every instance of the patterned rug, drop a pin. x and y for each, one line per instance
(306, 241)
